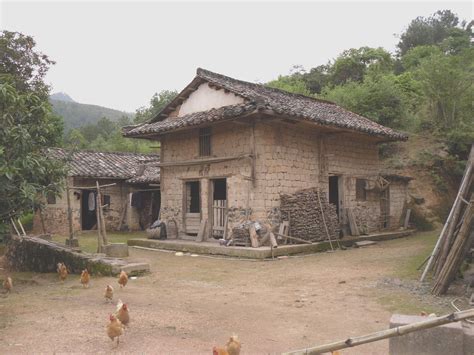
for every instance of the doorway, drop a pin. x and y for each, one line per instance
(334, 192)
(88, 212)
(192, 202)
(218, 194)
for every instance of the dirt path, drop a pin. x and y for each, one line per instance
(188, 304)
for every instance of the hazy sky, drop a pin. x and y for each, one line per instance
(117, 54)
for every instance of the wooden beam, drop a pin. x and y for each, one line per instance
(201, 161)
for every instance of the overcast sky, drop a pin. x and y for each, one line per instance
(117, 54)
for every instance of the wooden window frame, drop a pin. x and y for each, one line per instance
(205, 142)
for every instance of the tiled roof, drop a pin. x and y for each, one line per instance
(124, 166)
(257, 97)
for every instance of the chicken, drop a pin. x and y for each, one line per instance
(109, 293)
(114, 329)
(123, 279)
(122, 312)
(85, 278)
(62, 271)
(8, 284)
(219, 351)
(233, 345)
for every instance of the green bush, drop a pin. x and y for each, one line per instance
(27, 221)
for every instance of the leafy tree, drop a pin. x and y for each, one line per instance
(317, 78)
(291, 83)
(441, 27)
(28, 127)
(157, 103)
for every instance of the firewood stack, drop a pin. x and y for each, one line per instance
(303, 211)
(241, 236)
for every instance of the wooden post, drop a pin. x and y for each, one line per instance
(100, 243)
(324, 219)
(14, 226)
(69, 213)
(407, 219)
(430, 322)
(202, 229)
(101, 214)
(253, 236)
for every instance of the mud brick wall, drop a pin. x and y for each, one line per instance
(290, 157)
(55, 215)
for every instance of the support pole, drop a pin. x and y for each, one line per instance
(431, 322)
(101, 215)
(69, 213)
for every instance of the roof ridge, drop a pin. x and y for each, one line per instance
(68, 150)
(201, 72)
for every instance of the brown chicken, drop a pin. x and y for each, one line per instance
(109, 293)
(114, 329)
(123, 279)
(85, 278)
(122, 312)
(62, 271)
(232, 347)
(8, 284)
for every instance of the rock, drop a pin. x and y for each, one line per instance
(179, 253)
(364, 243)
(116, 250)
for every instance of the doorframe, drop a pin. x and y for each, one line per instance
(340, 193)
(185, 200)
(210, 202)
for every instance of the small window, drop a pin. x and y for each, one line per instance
(361, 192)
(106, 201)
(51, 198)
(205, 142)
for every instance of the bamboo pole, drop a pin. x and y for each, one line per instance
(14, 226)
(324, 220)
(99, 232)
(431, 322)
(21, 226)
(442, 235)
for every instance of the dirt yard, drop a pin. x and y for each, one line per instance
(189, 304)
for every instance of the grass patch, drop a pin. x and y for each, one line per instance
(403, 303)
(425, 243)
(88, 240)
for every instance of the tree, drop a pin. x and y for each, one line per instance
(157, 103)
(291, 83)
(441, 27)
(27, 127)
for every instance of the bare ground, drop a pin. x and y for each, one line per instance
(189, 304)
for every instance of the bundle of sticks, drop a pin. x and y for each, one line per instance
(310, 214)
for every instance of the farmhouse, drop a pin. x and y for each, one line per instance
(131, 196)
(230, 149)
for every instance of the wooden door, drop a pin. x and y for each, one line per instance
(192, 203)
(218, 196)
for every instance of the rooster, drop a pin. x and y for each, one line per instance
(232, 347)
(8, 284)
(123, 279)
(62, 271)
(122, 312)
(109, 293)
(114, 328)
(85, 278)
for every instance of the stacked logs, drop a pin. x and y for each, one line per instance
(307, 222)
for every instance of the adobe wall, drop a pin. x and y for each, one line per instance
(290, 157)
(55, 215)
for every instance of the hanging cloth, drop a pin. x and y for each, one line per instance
(91, 201)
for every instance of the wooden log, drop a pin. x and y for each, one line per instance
(100, 242)
(324, 220)
(21, 226)
(273, 241)
(253, 236)
(14, 226)
(69, 213)
(202, 229)
(431, 322)
(101, 215)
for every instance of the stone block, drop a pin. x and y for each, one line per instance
(445, 339)
(116, 250)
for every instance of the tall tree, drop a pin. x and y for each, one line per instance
(27, 127)
(157, 103)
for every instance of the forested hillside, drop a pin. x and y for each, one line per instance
(425, 88)
(77, 115)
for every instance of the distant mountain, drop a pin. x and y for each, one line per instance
(77, 115)
(61, 96)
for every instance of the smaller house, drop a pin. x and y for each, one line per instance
(131, 195)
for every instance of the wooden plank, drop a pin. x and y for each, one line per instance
(407, 218)
(294, 238)
(253, 236)
(352, 223)
(202, 229)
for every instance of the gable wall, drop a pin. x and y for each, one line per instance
(205, 98)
